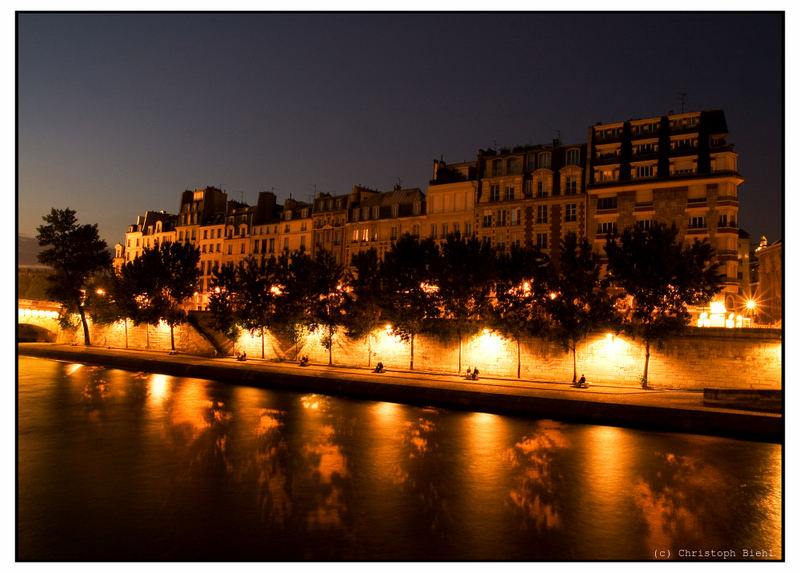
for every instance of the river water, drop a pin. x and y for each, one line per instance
(117, 465)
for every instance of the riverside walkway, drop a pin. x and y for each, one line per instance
(664, 410)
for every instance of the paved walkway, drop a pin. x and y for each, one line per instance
(622, 405)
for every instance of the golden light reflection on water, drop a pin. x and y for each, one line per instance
(681, 500)
(158, 386)
(534, 494)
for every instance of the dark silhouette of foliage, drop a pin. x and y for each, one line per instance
(520, 289)
(75, 253)
(410, 295)
(159, 282)
(328, 298)
(465, 273)
(579, 300)
(662, 277)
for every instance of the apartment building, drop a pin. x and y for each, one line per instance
(674, 169)
(377, 219)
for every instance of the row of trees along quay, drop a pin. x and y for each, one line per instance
(451, 291)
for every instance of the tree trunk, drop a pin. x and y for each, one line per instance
(412, 352)
(646, 362)
(330, 345)
(459, 352)
(85, 326)
(574, 365)
(369, 350)
(262, 342)
(126, 333)
(171, 337)
(519, 361)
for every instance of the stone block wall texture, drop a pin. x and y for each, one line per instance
(702, 358)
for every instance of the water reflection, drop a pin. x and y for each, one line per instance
(682, 500)
(531, 460)
(202, 470)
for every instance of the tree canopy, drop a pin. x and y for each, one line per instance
(75, 253)
(662, 277)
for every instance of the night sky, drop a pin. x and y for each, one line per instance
(119, 113)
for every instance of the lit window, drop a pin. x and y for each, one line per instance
(605, 228)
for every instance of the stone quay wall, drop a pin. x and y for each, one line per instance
(701, 358)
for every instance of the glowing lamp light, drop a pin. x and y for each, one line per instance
(751, 304)
(100, 291)
(217, 289)
(553, 296)
(717, 307)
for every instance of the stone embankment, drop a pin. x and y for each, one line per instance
(665, 410)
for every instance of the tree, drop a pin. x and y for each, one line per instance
(160, 281)
(520, 291)
(293, 278)
(363, 310)
(465, 274)
(410, 294)
(579, 300)
(75, 252)
(224, 300)
(328, 300)
(662, 277)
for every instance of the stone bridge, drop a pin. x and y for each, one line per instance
(37, 320)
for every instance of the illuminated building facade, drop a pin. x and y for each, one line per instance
(769, 297)
(674, 169)
(377, 219)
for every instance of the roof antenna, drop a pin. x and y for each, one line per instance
(399, 184)
(683, 100)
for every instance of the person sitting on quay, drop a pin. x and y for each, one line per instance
(468, 375)
(475, 373)
(304, 360)
(379, 368)
(241, 356)
(582, 382)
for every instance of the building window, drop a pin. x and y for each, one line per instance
(394, 233)
(509, 194)
(376, 212)
(355, 215)
(643, 171)
(395, 210)
(456, 228)
(272, 245)
(230, 249)
(444, 229)
(433, 231)
(606, 228)
(573, 156)
(365, 234)
(502, 219)
(515, 216)
(544, 160)
(697, 223)
(645, 224)
(531, 165)
(286, 228)
(542, 189)
(303, 226)
(205, 233)
(570, 212)
(497, 168)
(512, 166)
(241, 249)
(570, 185)
(286, 244)
(606, 203)
(494, 193)
(541, 213)
(302, 243)
(415, 230)
(541, 240)
(204, 249)
(487, 220)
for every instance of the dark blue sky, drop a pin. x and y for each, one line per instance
(119, 113)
